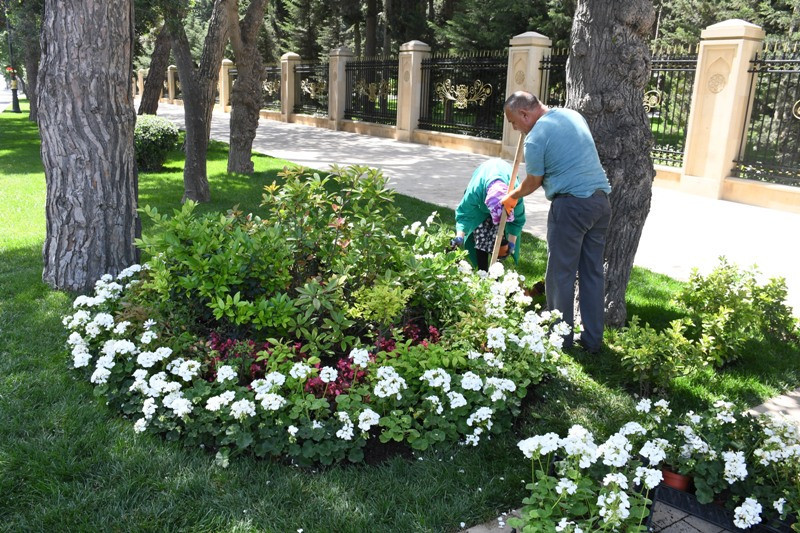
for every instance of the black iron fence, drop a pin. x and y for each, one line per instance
(464, 95)
(372, 90)
(271, 88)
(770, 149)
(667, 101)
(311, 88)
(178, 93)
(553, 91)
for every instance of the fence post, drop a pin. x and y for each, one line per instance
(171, 83)
(288, 62)
(337, 85)
(224, 86)
(719, 104)
(409, 97)
(524, 74)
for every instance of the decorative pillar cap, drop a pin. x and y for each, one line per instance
(415, 46)
(172, 67)
(733, 29)
(343, 51)
(226, 62)
(290, 56)
(530, 38)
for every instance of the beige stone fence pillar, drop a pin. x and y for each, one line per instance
(288, 62)
(140, 76)
(224, 85)
(409, 96)
(171, 70)
(720, 100)
(524, 74)
(337, 85)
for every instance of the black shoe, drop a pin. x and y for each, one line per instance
(590, 349)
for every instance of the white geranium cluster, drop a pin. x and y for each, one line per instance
(504, 287)
(389, 383)
(360, 357)
(735, 466)
(480, 419)
(367, 419)
(748, 514)
(437, 378)
(539, 445)
(346, 431)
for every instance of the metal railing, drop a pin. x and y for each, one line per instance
(667, 101)
(271, 88)
(770, 149)
(464, 95)
(311, 88)
(553, 91)
(372, 90)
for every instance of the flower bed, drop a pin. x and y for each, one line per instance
(312, 331)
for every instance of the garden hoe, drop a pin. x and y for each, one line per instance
(503, 216)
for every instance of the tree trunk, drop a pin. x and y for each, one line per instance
(371, 29)
(387, 42)
(157, 73)
(246, 93)
(607, 71)
(86, 120)
(197, 89)
(31, 60)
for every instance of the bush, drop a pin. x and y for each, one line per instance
(153, 138)
(305, 333)
(729, 307)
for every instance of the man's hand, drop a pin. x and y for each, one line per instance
(509, 203)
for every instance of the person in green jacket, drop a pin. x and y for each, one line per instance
(478, 214)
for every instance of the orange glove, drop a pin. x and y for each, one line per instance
(509, 203)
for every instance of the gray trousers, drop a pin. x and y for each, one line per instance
(576, 238)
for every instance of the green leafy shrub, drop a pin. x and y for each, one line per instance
(729, 307)
(655, 358)
(153, 138)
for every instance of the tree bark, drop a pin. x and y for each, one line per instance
(607, 72)
(31, 61)
(197, 88)
(86, 120)
(156, 74)
(246, 93)
(371, 30)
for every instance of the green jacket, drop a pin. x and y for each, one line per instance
(472, 210)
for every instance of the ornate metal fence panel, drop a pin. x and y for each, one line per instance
(667, 101)
(770, 149)
(464, 95)
(553, 91)
(271, 88)
(372, 90)
(311, 88)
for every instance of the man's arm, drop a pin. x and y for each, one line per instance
(528, 185)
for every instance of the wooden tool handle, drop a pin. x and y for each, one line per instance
(503, 215)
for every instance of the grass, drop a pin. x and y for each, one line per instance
(69, 463)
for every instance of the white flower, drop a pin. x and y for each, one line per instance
(437, 377)
(748, 514)
(614, 507)
(360, 357)
(615, 451)
(148, 336)
(316, 424)
(300, 371)
(663, 407)
(499, 387)
(650, 477)
(565, 484)
(655, 450)
(496, 270)
(429, 220)
(496, 337)
(216, 402)
(367, 419)
(436, 402)
(579, 443)
(456, 399)
(328, 374)
(243, 408)
(725, 412)
(140, 425)
(694, 418)
(778, 505)
(271, 401)
(120, 328)
(464, 267)
(471, 381)
(292, 430)
(81, 356)
(632, 428)
(100, 376)
(390, 383)
(268, 384)
(226, 373)
(186, 369)
(149, 323)
(346, 432)
(149, 408)
(735, 466)
(129, 271)
(644, 406)
(541, 444)
(616, 478)
(178, 404)
(484, 414)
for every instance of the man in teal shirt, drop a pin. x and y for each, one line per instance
(561, 157)
(478, 213)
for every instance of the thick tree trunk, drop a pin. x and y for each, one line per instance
(86, 120)
(607, 71)
(371, 30)
(246, 93)
(197, 88)
(157, 73)
(31, 72)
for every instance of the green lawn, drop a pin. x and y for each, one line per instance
(69, 463)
